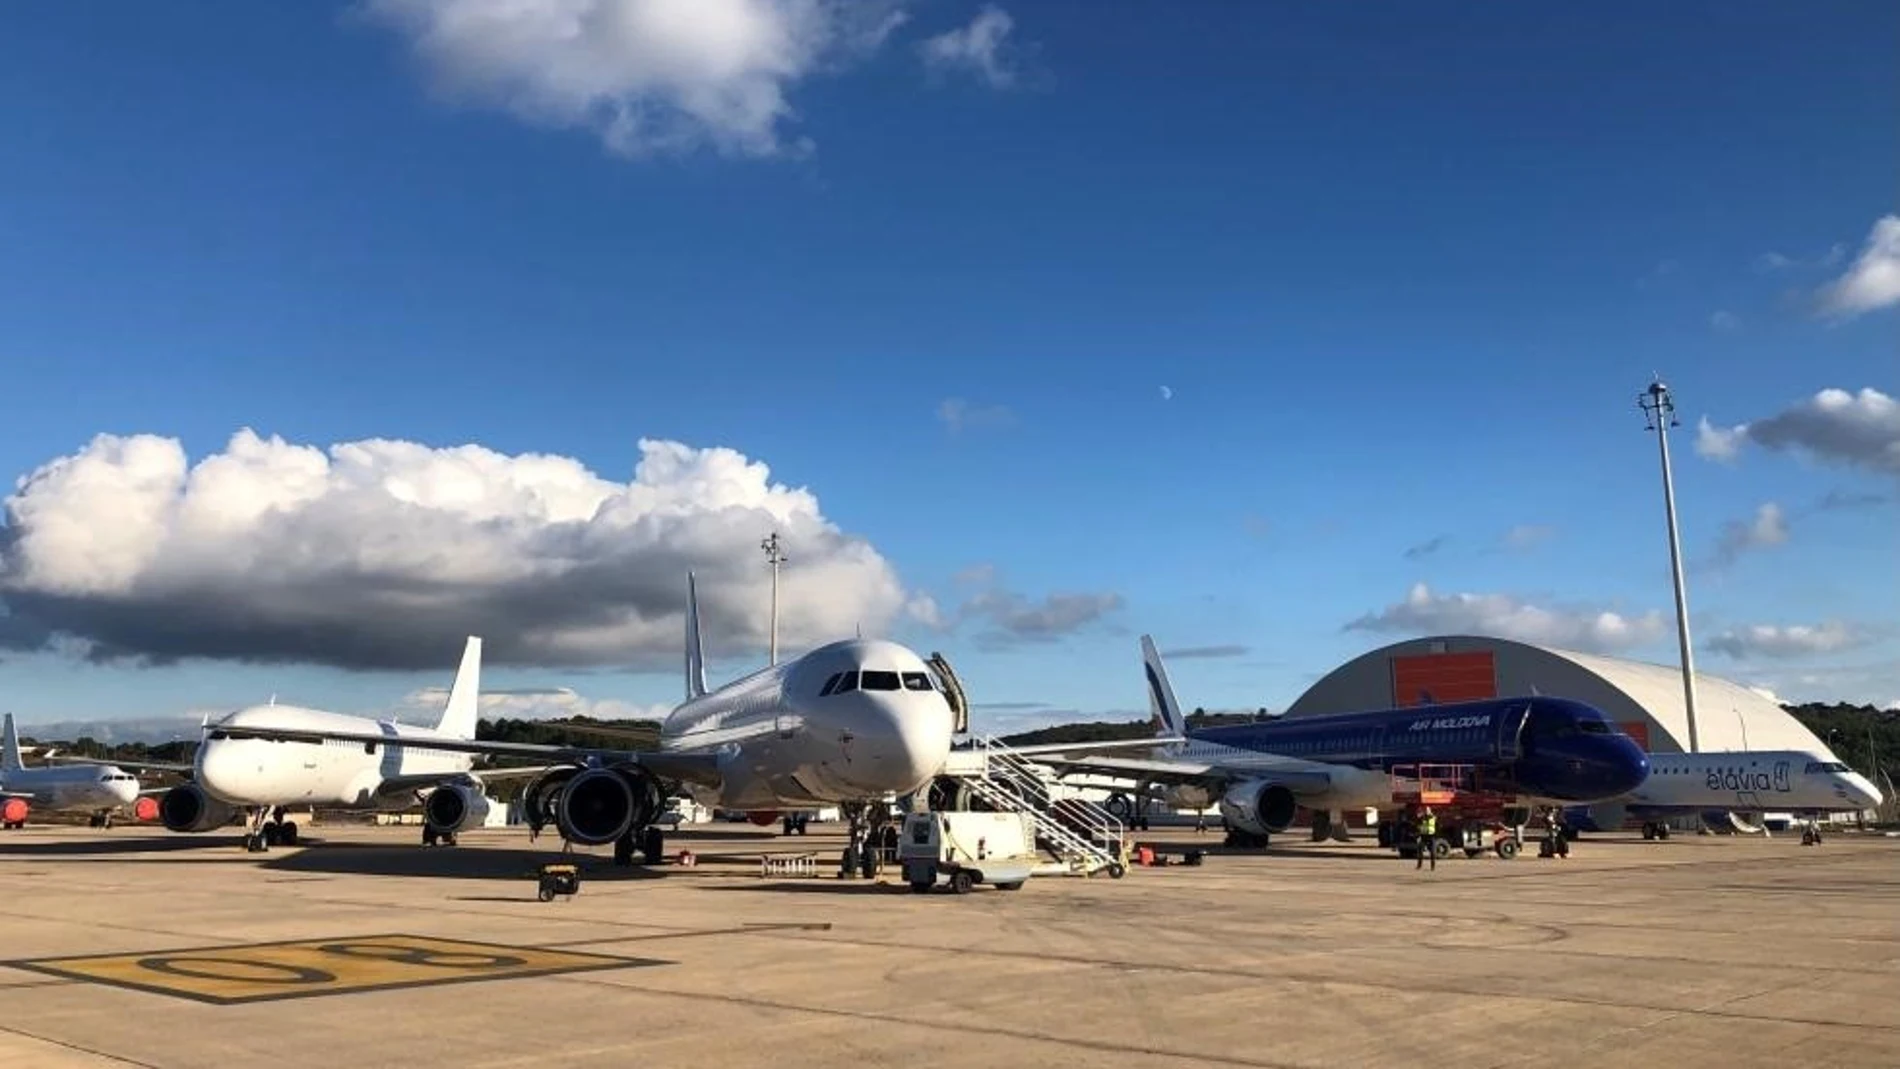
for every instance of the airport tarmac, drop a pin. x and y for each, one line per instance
(135, 947)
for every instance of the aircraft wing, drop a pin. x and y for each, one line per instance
(1148, 742)
(147, 766)
(428, 780)
(685, 767)
(1197, 773)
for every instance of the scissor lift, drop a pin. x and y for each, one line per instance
(1469, 818)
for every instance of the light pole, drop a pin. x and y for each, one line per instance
(1659, 414)
(774, 558)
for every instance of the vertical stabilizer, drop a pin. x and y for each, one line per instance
(1166, 712)
(695, 653)
(458, 716)
(10, 752)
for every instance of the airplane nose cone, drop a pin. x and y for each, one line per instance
(221, 769)
(1862, 791)
(1627, 769)
(912, 741)
(125, 790)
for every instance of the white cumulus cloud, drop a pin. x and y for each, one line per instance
(645, 76)
(1854, 429)
(1584, 628)
(386, 554)
(981, 48)
(1794, 640)
(1872, 281)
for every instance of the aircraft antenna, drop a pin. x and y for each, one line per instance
(774, 558)
(1659, 414)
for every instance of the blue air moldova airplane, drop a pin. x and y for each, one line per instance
(1542, 750)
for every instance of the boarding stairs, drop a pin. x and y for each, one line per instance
(1080, 835)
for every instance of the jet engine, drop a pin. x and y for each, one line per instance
(1258, 806)
(453, 807)
(599, 805)
(187, 807)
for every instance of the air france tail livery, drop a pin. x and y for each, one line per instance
(1537, 748)
(98, 789)
(1732, 784)
(853, 722)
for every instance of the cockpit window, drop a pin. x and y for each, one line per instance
(831, 683)
(846, 681)
(1826, 766)
(1594, 727)
(874, 680)
(917, 681)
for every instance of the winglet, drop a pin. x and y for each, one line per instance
(1166, 712)
(695, 652)
(10, 751)
(458, 716)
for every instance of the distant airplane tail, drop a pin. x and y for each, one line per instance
(1165, 711)
(10, 749)
(458, 716)
(695, 653)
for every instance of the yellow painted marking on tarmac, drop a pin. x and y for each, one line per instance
(257, 972)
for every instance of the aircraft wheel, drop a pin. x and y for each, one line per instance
(1662, 831)
(287, 833)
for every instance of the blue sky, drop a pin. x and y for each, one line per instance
(1401, 275)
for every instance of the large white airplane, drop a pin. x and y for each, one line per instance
(98, 789)
(233, 775)
(851, 723)
(1734, 782)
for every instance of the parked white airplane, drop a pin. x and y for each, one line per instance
(1735, 782)
(233, 774)
(850, 723)
(98, 789)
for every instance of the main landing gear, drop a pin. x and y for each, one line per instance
(651, 841)
(101, 820)
(268, 829)
(1655, 830)
(1811, 834)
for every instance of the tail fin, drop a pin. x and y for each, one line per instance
(1168, 721)
(458, 716)
(10, 749)
(695, 653)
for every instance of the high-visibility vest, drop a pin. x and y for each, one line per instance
(1428, 825)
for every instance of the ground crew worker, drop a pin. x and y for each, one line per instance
(1427, 838)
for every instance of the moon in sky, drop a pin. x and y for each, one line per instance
(1167, 393)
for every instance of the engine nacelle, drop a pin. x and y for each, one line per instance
(187, 807)
(13, 811)
(451, 808)
(599, 805)
(542, 798)
(1258, 806)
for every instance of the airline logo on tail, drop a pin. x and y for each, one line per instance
(10, 752)
(1162, 708)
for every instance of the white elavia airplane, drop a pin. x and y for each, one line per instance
(851, 723)
(99, 788)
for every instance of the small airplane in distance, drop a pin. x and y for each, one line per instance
(852, 723)
(1728, 784)
(96, 788)
(1539, 748)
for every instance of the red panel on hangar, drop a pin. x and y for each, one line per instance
(1447, 677)
(1638, 730)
